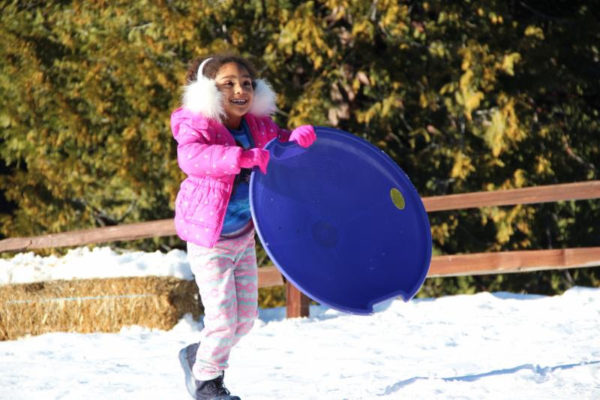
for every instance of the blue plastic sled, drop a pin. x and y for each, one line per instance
(341, 221)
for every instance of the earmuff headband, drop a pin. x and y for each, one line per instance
(201, 67)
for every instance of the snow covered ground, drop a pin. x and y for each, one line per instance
(482, 346)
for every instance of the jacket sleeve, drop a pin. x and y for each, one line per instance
(197, 157)
(282, 133)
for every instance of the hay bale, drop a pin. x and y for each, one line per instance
(95, 305)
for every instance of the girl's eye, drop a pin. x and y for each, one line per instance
(247, 83)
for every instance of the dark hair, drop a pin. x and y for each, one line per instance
(216, 61)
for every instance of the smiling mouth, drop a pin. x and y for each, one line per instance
(239, 102)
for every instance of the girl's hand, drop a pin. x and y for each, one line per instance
(304, 135)
(255, 158)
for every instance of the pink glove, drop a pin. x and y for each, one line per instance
(255, 158)
(304, 135)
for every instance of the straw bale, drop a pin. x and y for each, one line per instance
(95, 305)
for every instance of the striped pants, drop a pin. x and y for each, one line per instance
(227, 278)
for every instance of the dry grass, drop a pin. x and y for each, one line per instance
(95, 305)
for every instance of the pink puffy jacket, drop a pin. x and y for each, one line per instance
(207, 153)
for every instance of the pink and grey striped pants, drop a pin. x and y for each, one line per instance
(228, 281)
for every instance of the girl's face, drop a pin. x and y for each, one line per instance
(234, 81)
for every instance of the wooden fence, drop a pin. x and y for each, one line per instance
(446, 265)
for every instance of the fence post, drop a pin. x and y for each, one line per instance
(297, 302)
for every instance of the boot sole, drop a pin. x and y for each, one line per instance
(190, 381)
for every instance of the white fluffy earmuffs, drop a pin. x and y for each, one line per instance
(202, 96)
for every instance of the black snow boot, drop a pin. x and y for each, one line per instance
(187, 358)
(201, 390)
(214, 390)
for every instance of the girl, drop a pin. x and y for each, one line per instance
(221, 130)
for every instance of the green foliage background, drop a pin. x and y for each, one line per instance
(465, 96)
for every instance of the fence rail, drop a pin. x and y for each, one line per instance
(513, 261)
(530, 195)
(140, 230)
(446, 265)
(166, 227)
